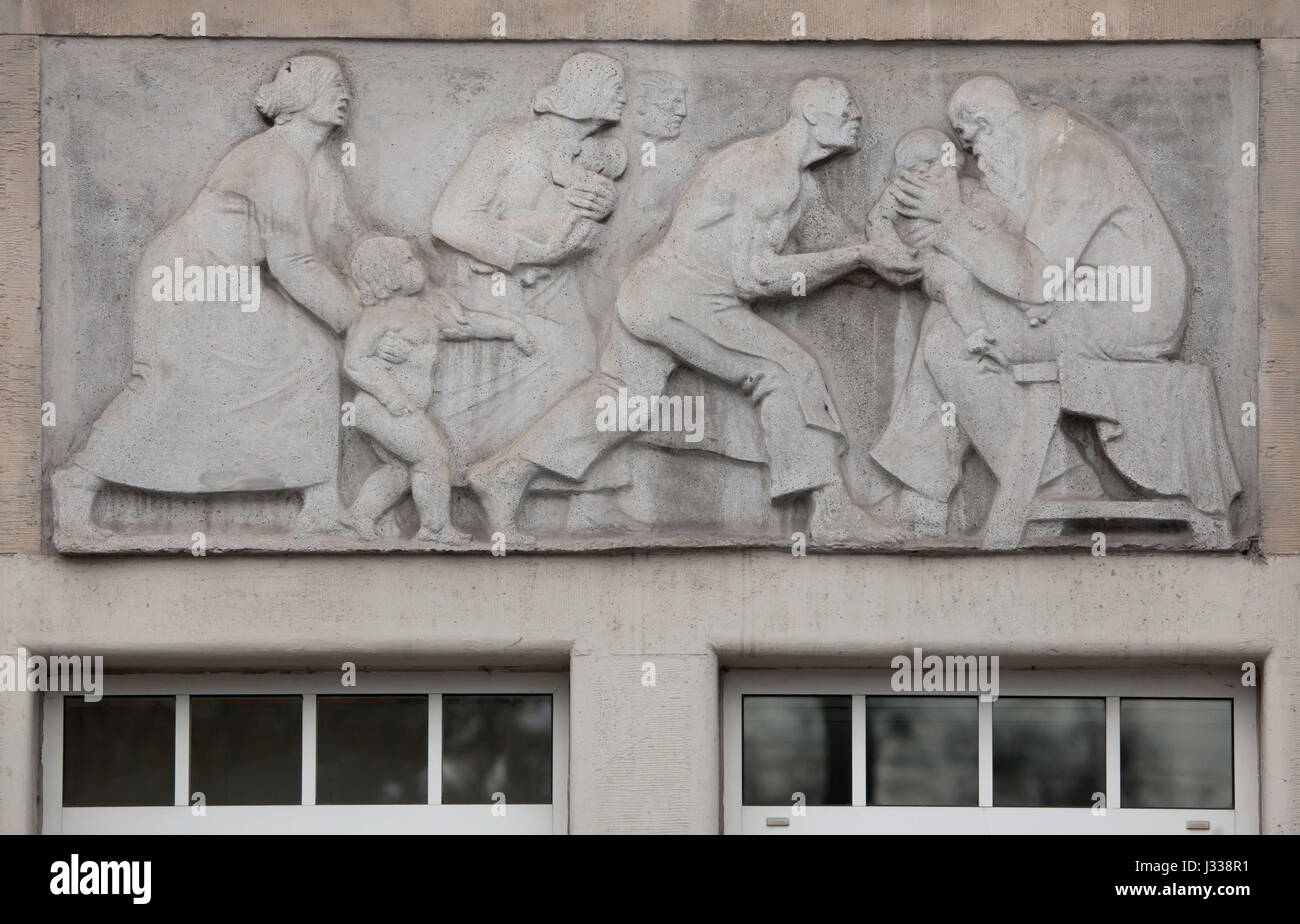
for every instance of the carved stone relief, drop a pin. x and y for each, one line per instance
(432, 297)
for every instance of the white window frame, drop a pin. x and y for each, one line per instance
(1113, 685)
(309, 818)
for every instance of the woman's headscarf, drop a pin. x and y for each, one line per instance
(576, 91)
(296, 86)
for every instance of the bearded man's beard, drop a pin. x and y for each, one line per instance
(1001, 171)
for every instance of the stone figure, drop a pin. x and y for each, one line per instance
(1074, 199)
(661, 162)
(517, 213)
(945, 282)
(688, 302)
(655, 115)
(392, 397)
(223, 398)
(598, 261)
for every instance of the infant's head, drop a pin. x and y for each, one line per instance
(386, 266)
(603, 155)
(923, 151)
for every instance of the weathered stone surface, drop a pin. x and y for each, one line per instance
(647, 227)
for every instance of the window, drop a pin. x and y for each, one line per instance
(1094, 751)
(228, 753)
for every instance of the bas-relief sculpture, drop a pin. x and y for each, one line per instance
(579, 273)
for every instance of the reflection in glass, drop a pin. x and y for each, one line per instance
(496, 744)
(246, 750)
(372, 750)
(1048, 751)
(922, 750)
(1175, 753)
(120, 750)
(797, 744)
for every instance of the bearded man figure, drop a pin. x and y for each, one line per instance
(1074, 198)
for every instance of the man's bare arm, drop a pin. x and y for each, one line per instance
(761, 272)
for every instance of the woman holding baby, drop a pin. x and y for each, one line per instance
(527, 201)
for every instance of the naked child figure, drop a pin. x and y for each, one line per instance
(393, 397)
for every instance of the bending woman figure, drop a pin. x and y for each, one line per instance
(222, 398)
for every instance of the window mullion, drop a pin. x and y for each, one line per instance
(1112, 752)
(985, 754)
(859, 741)
(435, 749)
(181, 784)
(309, 749)
(52, 765)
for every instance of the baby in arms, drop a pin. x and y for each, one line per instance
(943, 279)
(392, 397)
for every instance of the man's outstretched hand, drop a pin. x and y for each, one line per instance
(894, 263)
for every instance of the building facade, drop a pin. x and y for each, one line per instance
(678, 421)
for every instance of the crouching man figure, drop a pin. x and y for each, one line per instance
(689, 301)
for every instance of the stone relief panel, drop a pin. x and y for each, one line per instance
(438, 296)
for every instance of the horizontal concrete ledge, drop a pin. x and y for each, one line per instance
(694, 20)
(1148, 661)
(465, 655)
(522, 610)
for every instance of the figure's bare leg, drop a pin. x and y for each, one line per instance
(430, 489)
(73, 490)
(432, 494)
(838, 520)
(383, 488)
(416, 440)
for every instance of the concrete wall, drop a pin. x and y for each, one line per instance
(648, 759)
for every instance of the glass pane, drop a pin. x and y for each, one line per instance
(119, 751)
(496, 744)
(372, 750)
(1048, 751)
(246, 750)
(923, 750)
(797, 744)
(1175, 753)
